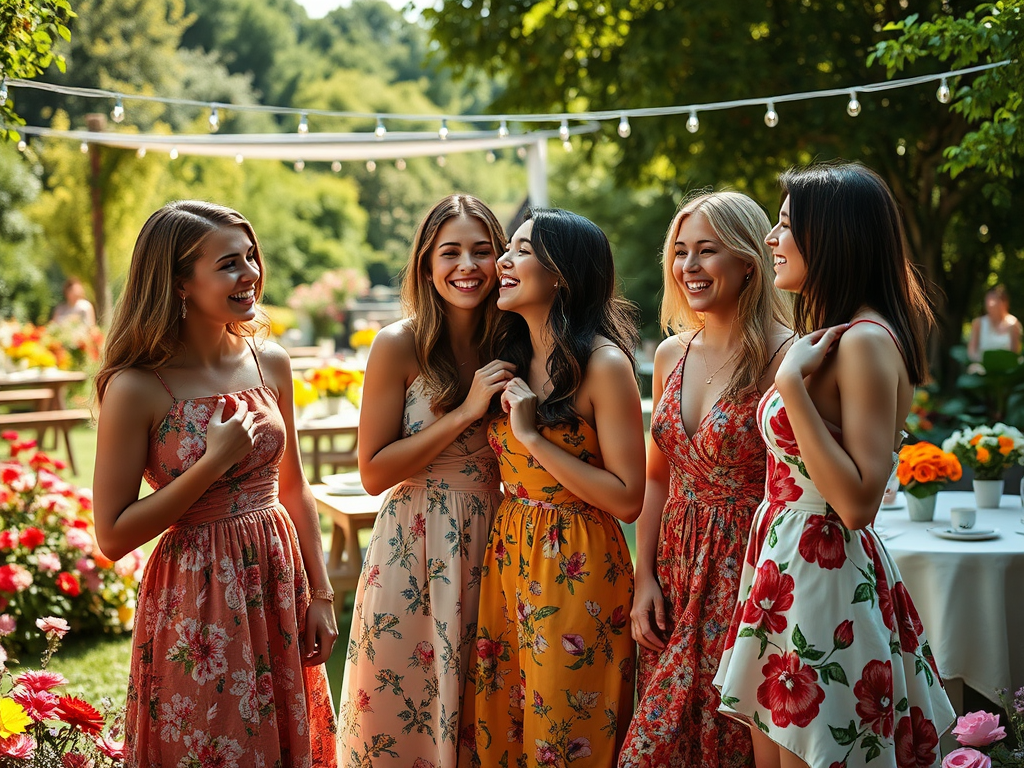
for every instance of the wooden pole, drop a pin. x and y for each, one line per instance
(100, 283)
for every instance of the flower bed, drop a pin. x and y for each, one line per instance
(69, 344)
(52, 564)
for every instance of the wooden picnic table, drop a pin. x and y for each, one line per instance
(44, 389)
(349, 514)
(323, 433)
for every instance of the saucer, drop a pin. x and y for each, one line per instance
(344, 484)
(894, 505)
(974, 534)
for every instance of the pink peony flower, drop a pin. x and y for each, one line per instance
(20, 746)
(978, 729)
(965, 757)
(7, 624)
(48, 561)
(53, 624)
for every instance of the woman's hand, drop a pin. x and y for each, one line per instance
(648, 603)
(229, 440)
(520, 403)
(321, 633)
(487, 382)
(807, 354)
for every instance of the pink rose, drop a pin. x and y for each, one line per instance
(965, 757)
(978, 729)
(48, 561)
(52, 624)
(7, 624)
(79, 539)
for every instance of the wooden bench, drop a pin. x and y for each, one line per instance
(41, 397)
(40, 421)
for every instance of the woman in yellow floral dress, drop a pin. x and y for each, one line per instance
(555, 659)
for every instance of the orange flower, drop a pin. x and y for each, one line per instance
(925, 473)
(1005, 445)
(976, 439)
(982, 453)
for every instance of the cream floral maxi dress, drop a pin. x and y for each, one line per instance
(416, 606)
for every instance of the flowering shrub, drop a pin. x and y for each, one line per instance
(924, 468)
(324, 301)
(989, 451)
(52, 564)
(40, 727)
(82, 342)
(336, 381)
(981, 737)
(65, 345)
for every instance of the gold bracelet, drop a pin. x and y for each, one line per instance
(322, 594)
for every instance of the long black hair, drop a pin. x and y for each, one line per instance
(848, 229)
(586, 305)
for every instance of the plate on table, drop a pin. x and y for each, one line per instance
(974, 534)
(344, 484)
(895, 505)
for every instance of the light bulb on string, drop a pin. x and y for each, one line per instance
(771, 117)
(380, 130)
(503, 130)
(567, 145)
(442, 132)
(117, 113)
(174, 153)
(943, 94)
(563, 131)
(371, 166)
(140, 152)
(624, 129)
(521, 153)
(336, 166)
(22, 145)
(400, 164)
(299, 166)
(853, 107)
(442, 161)
(84, 147)
(692, 122)
(491, 157)
(214, 120)
(303, 124)
(239, 159)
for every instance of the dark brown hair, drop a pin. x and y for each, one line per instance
(849, 231)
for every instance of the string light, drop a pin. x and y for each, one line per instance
(563, 131)
(853, 107)
(174, 153)
(336, 166)
(624, 129)
(380, 130)
(442, 161)
(299, 165)
(442, 132)
(83, 147)
(943, 94)
(567, 145)
(692, 123)
(303, 124)
(400, 164)
(214, 120)
(140, 152)
(503, 130)
(771, 117)
(22, 145)
(491, 157)
(521, 153)
(239, 159)
(371, 166)
(117, 113)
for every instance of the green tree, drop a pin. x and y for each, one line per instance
(24, 291)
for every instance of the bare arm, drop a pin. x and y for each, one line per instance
(298, 501)
(1015, 336)
(618, 488)
(385, 457)
(851, 476)
(973, 352)
(131, 406)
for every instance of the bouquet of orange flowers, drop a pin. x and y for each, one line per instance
(333, 380)
(924, 468)
(989, 451)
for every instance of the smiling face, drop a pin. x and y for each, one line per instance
(462, 262)
(711, 277)
(224, 277)
(790, 267)
(523, 282)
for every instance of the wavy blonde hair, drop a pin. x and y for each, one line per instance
(741, 225)
(144, 331)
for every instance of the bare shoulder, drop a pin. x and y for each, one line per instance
(393, 353)
(607, 362)
(136, 392)
(868, 340)
(781, 339)
(274, 357)
(396, 339)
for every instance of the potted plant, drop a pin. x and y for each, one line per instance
(981, 737)
(923, 470)
(989, 452)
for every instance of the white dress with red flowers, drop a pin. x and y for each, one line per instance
(826, 652)
(414, 620)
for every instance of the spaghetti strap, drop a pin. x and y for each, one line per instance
(257, 359)
(157, 374)
(778, 350)
(886, 328)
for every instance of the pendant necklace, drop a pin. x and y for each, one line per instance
(703, 354)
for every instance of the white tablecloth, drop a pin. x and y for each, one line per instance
(970, 594)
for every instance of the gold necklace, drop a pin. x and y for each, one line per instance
(704, 355)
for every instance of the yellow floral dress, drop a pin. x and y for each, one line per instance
(554, 657)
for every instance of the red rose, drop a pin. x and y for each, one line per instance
(771, 595)
(68, 584)
(32, 538)
(881, 583)
(9, 435)
(906, 614)
(780, 486)
(874, 697)
(824, 541)
(843, 636)
(782, 431)
(790, 690)
(916, 740)
(8, 540)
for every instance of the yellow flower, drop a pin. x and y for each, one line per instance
(126, 614)
(363, 338)
(305, 392)
(12, 718)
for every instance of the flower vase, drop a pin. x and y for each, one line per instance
(988, 493)
(921, 510)
(332, 405)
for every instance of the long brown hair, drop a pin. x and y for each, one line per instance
(587, 303)
(849, 231)
(741, 225)
(425, 308)
(144, 332)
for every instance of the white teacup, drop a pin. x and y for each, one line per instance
(963, 518)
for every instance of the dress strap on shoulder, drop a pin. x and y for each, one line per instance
(164, 383)
(779, 349)
(256, 357)
(886, 328)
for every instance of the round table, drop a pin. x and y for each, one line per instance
(970, 594)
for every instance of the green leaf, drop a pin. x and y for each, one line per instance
(799, 641)
(759, 723)
(902, 705)
(833, 672)
(844, 737)
(864, 593)
(729, 701)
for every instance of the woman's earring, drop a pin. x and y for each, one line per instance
(184, 308)
(747, 278)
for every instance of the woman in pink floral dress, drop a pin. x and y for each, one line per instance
(826, 660)
(705, 476)
(429, 383)
(235, 615)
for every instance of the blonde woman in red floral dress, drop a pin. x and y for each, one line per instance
(826, 661)
(235, 615)
(705, 476)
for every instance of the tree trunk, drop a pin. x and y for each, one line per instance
(101, 285)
